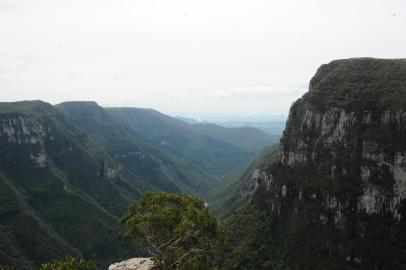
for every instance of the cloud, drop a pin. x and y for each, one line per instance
(4, 70)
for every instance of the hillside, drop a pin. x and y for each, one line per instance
(138, 159)
(237, 188)
(60, 192)
(68, 173)
(179, 139)
(271, 127)
(248, 138)
(335, 196)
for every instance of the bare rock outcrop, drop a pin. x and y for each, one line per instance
(133, 264)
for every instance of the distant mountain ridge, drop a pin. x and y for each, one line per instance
(137, 158)
(182, 140)
(249, 138)
(273, 127)
(189, 120)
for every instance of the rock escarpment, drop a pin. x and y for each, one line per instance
(133, 264)
(60, 193)
(365, 149)
(342, 163)
(335, 197)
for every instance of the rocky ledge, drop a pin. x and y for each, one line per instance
(133, 264)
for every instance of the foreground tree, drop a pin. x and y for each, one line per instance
(69, 263)
(6, 268)
(178, 230)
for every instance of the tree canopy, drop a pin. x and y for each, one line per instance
(178, 230)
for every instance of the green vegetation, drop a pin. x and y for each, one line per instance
(142, 163)
(251, 242)
(359, 84)
(69, 263)
(66, 178)
(178, 230)
(65, 205)
(248, 138)
(209, 154)
(176, 156)
(6, 268)
(312, 214)
(234, 190)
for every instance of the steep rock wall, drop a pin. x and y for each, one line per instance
(56, 186)
(341, 174)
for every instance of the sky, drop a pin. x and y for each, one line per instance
(187, 57)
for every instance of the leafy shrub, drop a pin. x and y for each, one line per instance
(68, 263)
(178, 230)
(6, 268)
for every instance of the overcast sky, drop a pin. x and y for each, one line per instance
(230, 57)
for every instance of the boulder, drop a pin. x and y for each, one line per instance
(133, 264)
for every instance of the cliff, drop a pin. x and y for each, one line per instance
(60, 193)
(335, 196)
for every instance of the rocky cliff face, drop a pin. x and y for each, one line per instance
(18, 130)
(40, 141)
(336, 194)
(344, 168)
(56, 186)
(365, 148)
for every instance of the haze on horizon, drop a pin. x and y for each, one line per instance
(186, 57)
